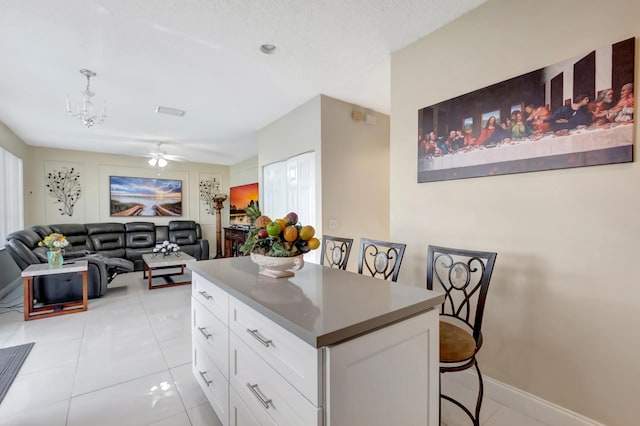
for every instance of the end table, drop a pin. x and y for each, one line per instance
(53, 309)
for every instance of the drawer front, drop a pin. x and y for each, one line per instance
(239, 414)
(211, 297)
(297, 361)
(211, 334)
(268, 396)
(213, 383)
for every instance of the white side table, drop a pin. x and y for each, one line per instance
(54, 309)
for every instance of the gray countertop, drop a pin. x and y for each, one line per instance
(322, 306)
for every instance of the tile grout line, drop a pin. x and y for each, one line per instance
(75, 375)
(184, 407)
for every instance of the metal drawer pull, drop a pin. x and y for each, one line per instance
(205, 295)
(204, 333)
(261, 339)
(256, 392)
(203, 375)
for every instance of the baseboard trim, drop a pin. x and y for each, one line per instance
(521, 401)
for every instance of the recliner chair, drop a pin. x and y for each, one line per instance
(23, 248)
(187, 234)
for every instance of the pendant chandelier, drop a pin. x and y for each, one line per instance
(85, 112)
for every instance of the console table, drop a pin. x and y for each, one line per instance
(324, 347)
(54, 309)
(233, 239)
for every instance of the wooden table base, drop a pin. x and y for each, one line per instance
(54, 309)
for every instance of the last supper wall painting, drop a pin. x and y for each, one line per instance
(578, 112)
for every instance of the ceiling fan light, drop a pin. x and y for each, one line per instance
(162, 162)
(152, 162)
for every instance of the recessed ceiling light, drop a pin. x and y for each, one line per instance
(267, 48)
(170, 111)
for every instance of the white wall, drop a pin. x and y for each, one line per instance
(564, 305)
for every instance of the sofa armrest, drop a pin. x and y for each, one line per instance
(75, 254)
(204, 249)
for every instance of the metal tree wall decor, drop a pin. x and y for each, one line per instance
(209, 188)
(64, 186)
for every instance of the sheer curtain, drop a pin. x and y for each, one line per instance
(290, 186)
(11, 201)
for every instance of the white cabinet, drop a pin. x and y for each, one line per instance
(297, 361)
(213, 383)
(396, 366)
(256, 372)
(240, 414)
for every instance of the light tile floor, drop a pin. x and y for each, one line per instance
(127, 361)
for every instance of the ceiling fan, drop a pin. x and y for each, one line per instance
(160, 158)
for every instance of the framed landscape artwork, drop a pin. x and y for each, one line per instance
(575, 113)
(241, 197)
(132, 196)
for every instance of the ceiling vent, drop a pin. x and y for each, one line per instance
(170, 111)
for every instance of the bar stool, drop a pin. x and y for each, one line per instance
(335, 251)
(464, 275)
(381, 258)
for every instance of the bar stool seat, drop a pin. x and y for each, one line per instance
(456, 344)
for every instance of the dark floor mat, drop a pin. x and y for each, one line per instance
(11, 359)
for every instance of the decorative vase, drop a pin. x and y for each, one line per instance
(54, 258)
(278, 267)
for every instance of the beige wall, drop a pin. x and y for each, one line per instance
(564, 305)
(297, 132)
(95, 169)
(244, 172)
(355, 174)
(352, 165)
(12, 143)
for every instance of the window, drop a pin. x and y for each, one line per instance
(289, 186)
(11, 203)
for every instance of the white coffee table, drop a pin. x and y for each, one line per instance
(53, 309)
(153, 262)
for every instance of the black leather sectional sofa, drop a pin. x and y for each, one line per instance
(109, 248)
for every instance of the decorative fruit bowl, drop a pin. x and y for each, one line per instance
(278, 267)
(278, 245)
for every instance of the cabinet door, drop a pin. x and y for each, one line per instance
(211, 334)
(387, 377)
(211, 296)
(240, 414)
(295, 360)
(213, 383)
(268, 396)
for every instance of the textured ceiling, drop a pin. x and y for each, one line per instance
(201, 56)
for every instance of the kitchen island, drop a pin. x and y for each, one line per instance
(324, 347)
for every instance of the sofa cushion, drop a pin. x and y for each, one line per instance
(76, 235)
(107, 238)
(27, 237)
(140, 235)
(20, 245)
(140, 227)
(182, 232)
(41, 230)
